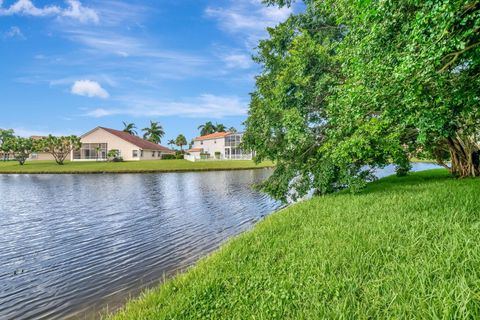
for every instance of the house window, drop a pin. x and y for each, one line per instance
(135, 153)
(141, 153)
(201, 142)
(153, 154)
(159, 154)
(214, 141)
(91, 151)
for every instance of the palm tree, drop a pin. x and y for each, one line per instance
(207, 128)
(232, 129)
(171, 142)
(181, 141)
(220, 127)
(154, 133)
(130, 128)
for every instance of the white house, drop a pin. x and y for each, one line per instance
(98, 142)
(218, 146)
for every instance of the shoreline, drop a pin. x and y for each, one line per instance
(135, 171)
(243, 264)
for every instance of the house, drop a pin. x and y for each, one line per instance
(98, 142)
(218, 146)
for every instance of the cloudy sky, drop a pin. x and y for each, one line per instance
(68, 66)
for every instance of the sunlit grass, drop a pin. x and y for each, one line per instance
(130, 166)
(405, 248)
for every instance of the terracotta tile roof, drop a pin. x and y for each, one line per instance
(139, 142)
(195, 150)
(215, 135)
(37, 137)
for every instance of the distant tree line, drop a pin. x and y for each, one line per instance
(20, 148)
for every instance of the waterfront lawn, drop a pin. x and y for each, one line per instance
(405, 248)
(125, 167)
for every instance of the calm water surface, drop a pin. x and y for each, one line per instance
(73, 246)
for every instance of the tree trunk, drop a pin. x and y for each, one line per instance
(465, 156)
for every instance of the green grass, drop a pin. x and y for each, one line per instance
(405, 248)
(127, 167)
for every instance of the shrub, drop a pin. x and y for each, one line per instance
(179, 156)
(168, 157)
(114, 156)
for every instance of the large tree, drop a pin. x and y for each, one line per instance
(5, 134)
(20, 148)
(287, 120)
(154, 133)
(60, 147)
(350, 85)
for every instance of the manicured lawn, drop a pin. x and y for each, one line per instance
(405, 248)
(132, 166)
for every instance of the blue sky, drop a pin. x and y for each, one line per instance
(68, 66)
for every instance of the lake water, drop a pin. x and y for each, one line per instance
(74, 245)
(71, 245)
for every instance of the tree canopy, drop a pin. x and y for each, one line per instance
(130, 128)
(60, 147)
(154, 133)
(20, 148)
(181, 141)
(209, 128)
(349, 86)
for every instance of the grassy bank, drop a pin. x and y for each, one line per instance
(405, 248)
(127, 167)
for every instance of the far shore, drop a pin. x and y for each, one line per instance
(153, 166)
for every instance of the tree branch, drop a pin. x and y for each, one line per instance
(456, 55)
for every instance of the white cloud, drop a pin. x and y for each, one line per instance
(205, 105)
(74, 10)
(79, 12)
(13, 32)
(249, 18)
(237, 60)
(89, 88)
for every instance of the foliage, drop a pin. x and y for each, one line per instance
(179, 156)
(404, 248)
(171, 142)
(351, 85)
(154, 133)
(167, 156)
(60, 147)
(232, 130)
(220, 127)
(181, 141)
(21, 148)
(114, 155)
(130, 128)
(209, 128)
(4, 135)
